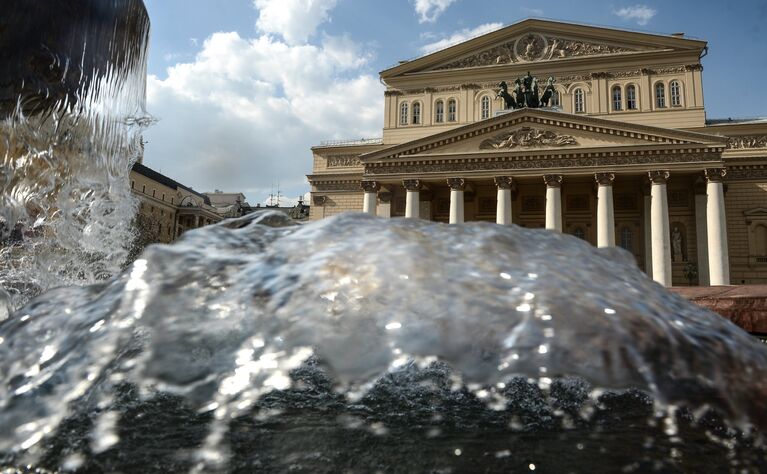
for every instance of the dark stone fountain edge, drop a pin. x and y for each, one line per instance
(745, 306)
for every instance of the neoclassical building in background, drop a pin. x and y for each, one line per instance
(623, 156)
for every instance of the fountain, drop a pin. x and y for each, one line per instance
(353, 344)
(72, 93)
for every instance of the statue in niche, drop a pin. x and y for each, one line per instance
(677, 245)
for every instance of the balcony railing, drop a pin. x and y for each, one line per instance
(359, 141)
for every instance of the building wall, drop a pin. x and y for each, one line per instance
(157, 203)
(740, 198)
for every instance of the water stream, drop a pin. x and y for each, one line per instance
(353, 344)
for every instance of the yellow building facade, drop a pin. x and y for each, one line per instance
(622, 155)
(166, 207)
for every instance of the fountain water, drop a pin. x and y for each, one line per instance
(352, 344)
(72, 89)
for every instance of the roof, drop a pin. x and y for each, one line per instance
(144, 170)
(737, 121)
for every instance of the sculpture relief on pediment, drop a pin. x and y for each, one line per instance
(527, 137)
(747, 142)
(343, 161)
(534, 47)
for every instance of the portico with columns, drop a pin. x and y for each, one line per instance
(596, 193)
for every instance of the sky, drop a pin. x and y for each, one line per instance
(242, 89)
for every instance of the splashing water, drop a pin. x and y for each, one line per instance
(352, 344)
(227, 317)
(72, 92)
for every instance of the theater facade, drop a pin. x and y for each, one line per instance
(620, 154)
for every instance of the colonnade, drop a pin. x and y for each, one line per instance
(660, 248)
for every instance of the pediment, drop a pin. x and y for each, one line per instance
(758, 212)
(539, 46)
(540, 41)
(536, 131)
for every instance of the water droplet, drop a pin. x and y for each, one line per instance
(393, 326)
(609, 311)
(543, 349)
(532, 467)
(505, 276)
(458, 452)
(524, 308)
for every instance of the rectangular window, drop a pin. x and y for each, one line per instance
(579, 104)
(143, 189)
(631, 98)
(440, 112)
(403, 114)
(163, 196)
(451, 111)
(154, 191)
(132, 184)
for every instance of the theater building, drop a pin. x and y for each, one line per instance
(621, 155)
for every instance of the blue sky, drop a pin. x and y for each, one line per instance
(243, 88)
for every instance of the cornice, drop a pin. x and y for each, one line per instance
(584, 163)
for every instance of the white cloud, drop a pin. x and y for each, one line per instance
(460, 36)
(429, 10)
(244, 114)
(295, 20)
(641, 13)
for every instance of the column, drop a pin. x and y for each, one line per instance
(457, 186)
(659, 224)
(503, 209)
(413, 199)
(370, 198)
(716, 222)
(701, 230)
(553, 201)
(605, 210)
(384, 204)
(647, 228)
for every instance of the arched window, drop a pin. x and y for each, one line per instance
(416, 113)
(631, 97)
(580, 103)
(580, 233)
(403, 109)
(439, 112)
(676, 93)
(452, 108)
(627, 239)
(617, 98)
(660, 95)
(761, 240)
(485, 107)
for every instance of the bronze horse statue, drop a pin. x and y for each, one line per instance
(508, 100)
(526, 93)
